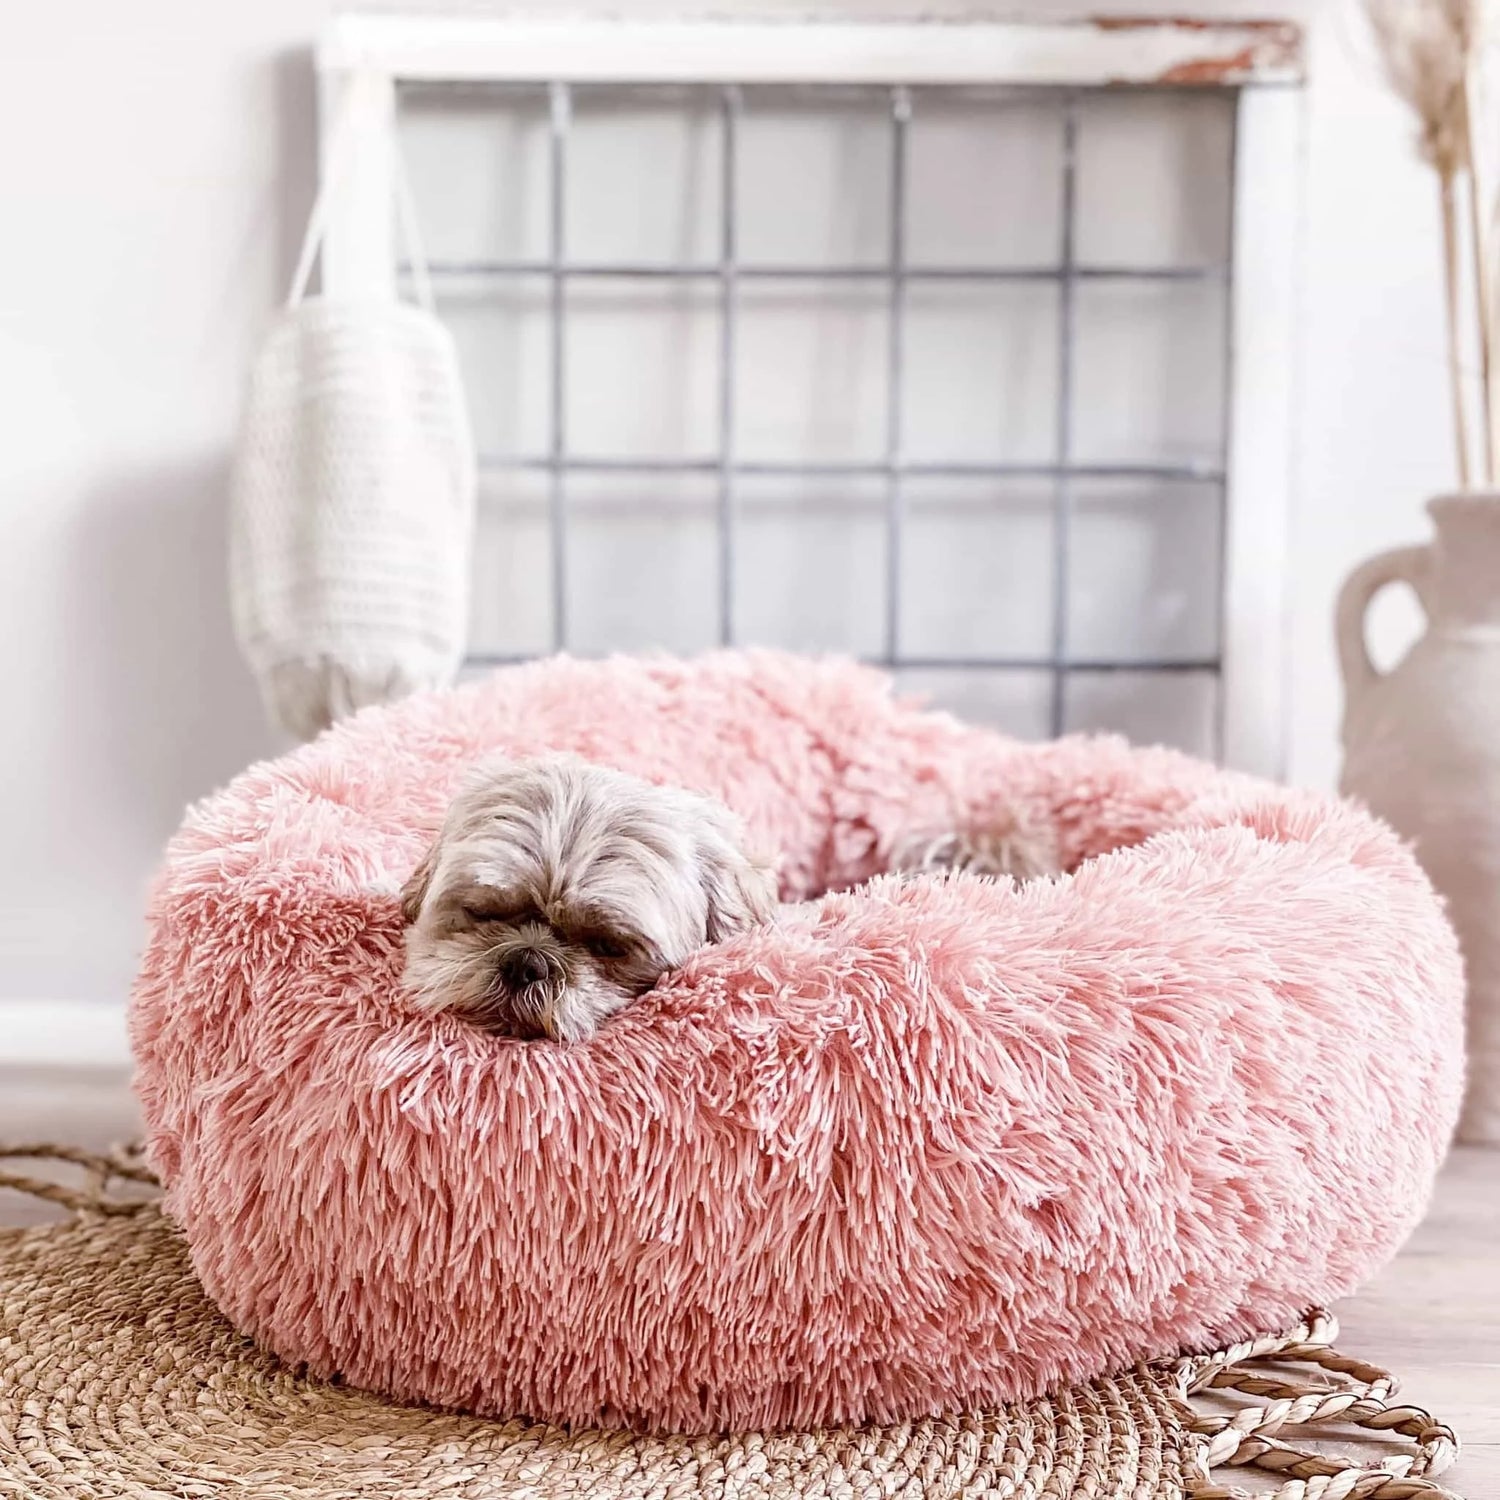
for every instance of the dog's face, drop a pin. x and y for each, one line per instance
(558, 891)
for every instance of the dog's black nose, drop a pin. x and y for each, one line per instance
(526, 967)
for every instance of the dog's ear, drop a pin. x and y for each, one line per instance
(741, 891)
(414, 892)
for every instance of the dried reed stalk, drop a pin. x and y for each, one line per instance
(1455, 355)
(1432, 51)
(1484, 263)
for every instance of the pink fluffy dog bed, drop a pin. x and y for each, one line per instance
(941, 1143)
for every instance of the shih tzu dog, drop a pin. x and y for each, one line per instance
(558, 891)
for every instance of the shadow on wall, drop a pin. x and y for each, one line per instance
(166, 708)
(169, 710)
(297, 175)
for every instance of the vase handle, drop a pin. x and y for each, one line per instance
(1400, 565)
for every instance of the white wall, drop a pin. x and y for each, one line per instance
(155, 163)
(149, 157)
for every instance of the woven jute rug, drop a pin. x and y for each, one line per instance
(119, 1379)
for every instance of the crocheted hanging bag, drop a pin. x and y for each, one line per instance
(353, 496)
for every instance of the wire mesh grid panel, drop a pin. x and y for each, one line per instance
(934, 375)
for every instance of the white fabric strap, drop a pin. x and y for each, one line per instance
(408, 230)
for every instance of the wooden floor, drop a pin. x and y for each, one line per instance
(1433, 1316)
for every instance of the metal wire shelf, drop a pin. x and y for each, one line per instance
(812, 271)
(853, 469)
(958, 663)
(896, 274)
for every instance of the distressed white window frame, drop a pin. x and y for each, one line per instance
(362, 58)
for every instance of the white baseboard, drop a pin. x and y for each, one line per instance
(63, 1034)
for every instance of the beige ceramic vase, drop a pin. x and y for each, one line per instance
(1422, 748)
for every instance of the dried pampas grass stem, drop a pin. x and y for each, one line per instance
(1480, 218)
(1433, 52)
(1455, 353)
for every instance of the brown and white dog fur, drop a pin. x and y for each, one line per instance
(557, 891)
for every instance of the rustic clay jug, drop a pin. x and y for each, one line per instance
(1422, 748)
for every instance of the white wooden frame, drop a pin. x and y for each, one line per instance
(363, 57)
(1120, 50)
(1259, 482)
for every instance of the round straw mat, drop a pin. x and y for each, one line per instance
(118, 1378)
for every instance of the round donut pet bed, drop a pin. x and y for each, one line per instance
(936, 1143)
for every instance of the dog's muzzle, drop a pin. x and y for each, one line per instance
(525, 968)
(531, 981)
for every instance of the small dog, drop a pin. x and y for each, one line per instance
(558, 891)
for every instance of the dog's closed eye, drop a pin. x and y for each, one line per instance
(602, 945)
(483, 906)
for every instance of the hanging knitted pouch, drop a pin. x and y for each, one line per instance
(353, 495)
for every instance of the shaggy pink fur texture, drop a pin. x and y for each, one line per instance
(930, 1143)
